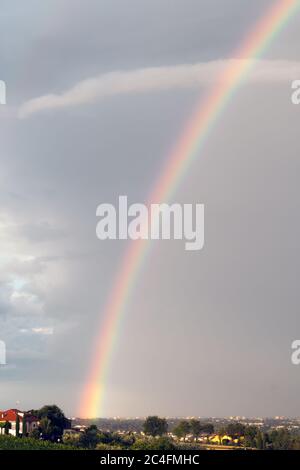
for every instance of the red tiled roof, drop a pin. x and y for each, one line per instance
(9, 415)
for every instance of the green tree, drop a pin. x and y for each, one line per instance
(55, 424)
(207, 428)
(235, 430)
(161, 443)
(125, 441)
(24, 429)
(280, 439)
(222, 431)
(182, 429)
(46, 428)
(155, 426)
(17, 425)
(7, 427)
(195, 427)
(250, 436)
(106, 437)
(90, 437)
(296, 443)
(259, 441)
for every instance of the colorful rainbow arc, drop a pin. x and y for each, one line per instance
(180, 160)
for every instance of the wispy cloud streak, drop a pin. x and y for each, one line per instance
(154, 79)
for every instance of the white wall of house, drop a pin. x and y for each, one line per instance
(29, 426)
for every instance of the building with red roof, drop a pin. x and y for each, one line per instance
(16, 422)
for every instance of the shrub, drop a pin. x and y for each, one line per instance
(28, 443)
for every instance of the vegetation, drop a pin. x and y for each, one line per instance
(50, 435)
(155, 426)
(7, 427)
(161, 443)
(193, 427)
(253, 437)
(182, 429)
(17, 426)
(27, 443)
(90, 437)
(52, 422)
(93, 438)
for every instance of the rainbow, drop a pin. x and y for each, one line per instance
(177, 164)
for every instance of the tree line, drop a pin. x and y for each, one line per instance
(157, 434)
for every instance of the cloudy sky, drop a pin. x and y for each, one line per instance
(97, 94)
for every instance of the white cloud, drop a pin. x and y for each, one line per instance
(155, 79)
(43, 331)
(38, 330)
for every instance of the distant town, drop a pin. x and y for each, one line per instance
(49, 428)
